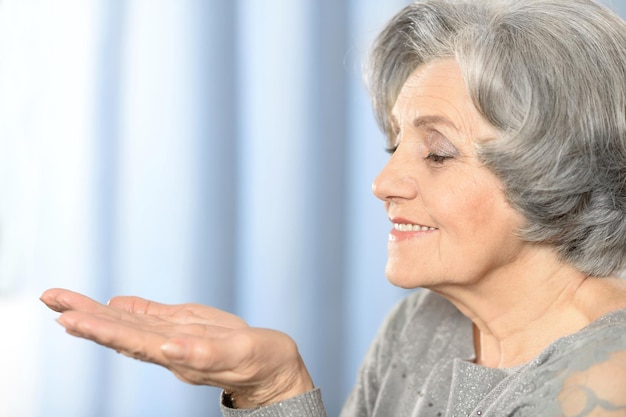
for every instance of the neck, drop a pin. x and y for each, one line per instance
(518, 311)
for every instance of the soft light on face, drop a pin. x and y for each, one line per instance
(451, 222)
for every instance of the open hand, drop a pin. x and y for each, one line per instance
(199, 344)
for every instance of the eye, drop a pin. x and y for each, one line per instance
(393, 140)
(440, 149)
(438, 159)
(391, 150)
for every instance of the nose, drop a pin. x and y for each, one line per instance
(396, 181)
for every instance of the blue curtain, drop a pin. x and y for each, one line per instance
(218, 152)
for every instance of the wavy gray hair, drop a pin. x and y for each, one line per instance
(550, 76)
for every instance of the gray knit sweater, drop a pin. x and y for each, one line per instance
(420, 364)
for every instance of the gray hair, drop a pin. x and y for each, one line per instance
(550, 76)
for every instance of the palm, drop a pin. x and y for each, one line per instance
(199, 344)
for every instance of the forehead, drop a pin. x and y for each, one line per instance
(437, 91)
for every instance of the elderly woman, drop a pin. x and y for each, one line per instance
(506, 188)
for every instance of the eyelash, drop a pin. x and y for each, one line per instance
(433, 157)
(437, 159)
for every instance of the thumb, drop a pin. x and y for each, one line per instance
(214, 354)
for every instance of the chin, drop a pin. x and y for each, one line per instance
(407, 282)
(408, 279)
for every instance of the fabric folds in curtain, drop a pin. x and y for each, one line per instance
(187, 151)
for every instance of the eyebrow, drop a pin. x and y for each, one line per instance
(426, 120)
(433, 120)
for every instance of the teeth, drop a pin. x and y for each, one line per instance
(412, 227)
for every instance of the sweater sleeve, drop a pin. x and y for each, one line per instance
(308, 404)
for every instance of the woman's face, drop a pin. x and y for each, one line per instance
(451, 222)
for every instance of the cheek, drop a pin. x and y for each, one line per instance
(457, 204)
(473, 209)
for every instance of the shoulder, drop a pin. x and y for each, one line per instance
(586, 372)
(598, 390)
(596, 382)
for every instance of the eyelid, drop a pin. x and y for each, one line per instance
(441, 145)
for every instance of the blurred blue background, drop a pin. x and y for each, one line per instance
(218, 152)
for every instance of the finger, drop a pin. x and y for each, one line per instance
(138, 305)
(61, 300)
(123, 337)
(203, 361)
(178, 313)
(226, 351)
(262, 365)
(204, 355)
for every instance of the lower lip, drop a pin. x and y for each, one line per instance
(397, 235)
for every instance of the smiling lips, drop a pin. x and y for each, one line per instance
(405, 227)
(402, 231)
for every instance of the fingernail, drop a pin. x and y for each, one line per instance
(174, 350)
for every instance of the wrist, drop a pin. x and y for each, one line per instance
(285, 386)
